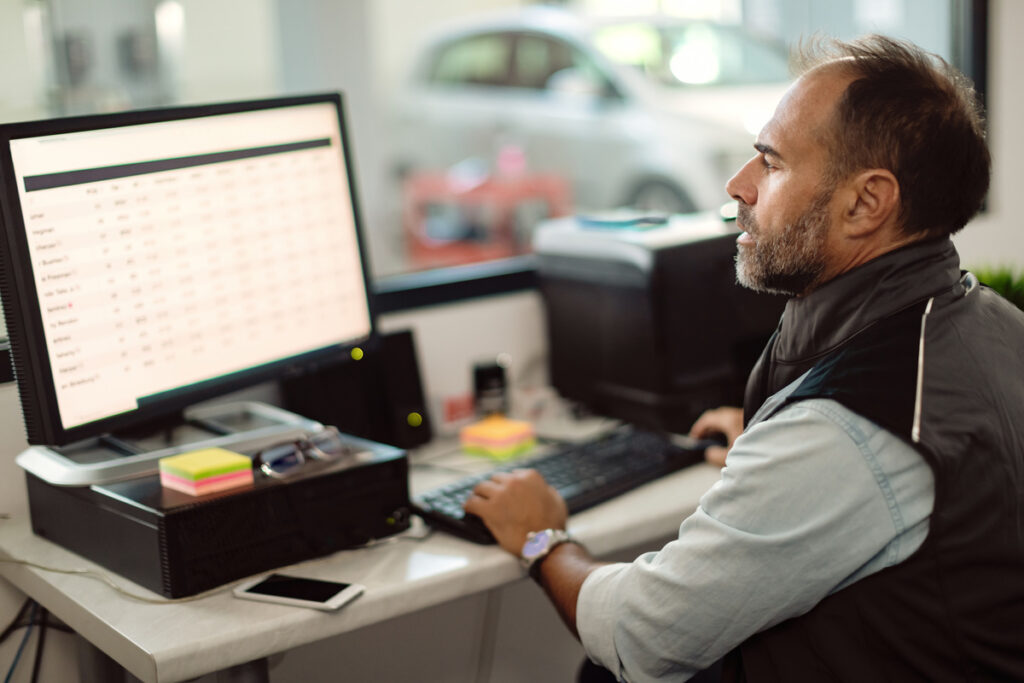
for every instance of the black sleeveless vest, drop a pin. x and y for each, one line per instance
(942, 366)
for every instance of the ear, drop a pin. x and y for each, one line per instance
(873, 199)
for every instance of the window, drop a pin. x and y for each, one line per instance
(609, 150)
(695, 53)
(480, 60)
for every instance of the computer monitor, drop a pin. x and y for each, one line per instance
(154, 259)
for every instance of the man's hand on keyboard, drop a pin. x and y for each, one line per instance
(726, 421)
(512, 504)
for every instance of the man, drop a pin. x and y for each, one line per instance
(869, 522)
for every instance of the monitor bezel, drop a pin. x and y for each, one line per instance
(32, 370)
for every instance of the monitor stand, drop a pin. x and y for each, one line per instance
(244, 426)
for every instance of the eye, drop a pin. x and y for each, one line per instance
(766, 164)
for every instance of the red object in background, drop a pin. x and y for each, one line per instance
(478, 222)
(455, 408)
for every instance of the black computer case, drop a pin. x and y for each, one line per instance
(179, 545)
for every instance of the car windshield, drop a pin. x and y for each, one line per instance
(694, 54)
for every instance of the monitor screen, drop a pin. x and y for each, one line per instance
(154, 259)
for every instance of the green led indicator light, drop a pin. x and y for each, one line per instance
(357, 353)
(414, 419)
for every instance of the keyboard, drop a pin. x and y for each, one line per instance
(585, 474)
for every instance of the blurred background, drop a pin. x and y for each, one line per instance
(471, 119)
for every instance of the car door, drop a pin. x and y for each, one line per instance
(455, 106)
(571, 119)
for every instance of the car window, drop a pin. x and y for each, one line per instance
(540, 59)
(537, 58)
(478, 60)
(701, 54)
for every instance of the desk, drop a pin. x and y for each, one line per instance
(179, 641)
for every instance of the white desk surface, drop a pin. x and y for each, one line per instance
(178, 641)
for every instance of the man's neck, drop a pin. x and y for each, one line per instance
(856, 253)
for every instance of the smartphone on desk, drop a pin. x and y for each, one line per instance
(299, 591)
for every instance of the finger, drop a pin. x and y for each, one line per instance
(474, 505)
(530, 476)
(716, 455)
(488, 488)
(703, 425)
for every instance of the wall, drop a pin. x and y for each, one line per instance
(214, 69)
(450, 339)
(21, 96)
(997, 237)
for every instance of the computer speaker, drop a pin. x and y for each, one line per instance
(378, 397)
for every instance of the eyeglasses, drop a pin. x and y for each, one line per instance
(285, 459)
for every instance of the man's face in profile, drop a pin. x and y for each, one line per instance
(788, 261)
(784, 202)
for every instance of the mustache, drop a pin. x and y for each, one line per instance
(745, 217)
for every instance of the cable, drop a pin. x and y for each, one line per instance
(44, 618)
(418, 531)
(423, 458)
(102, 577)
(17, 618)
(24, 639)
(444, 468)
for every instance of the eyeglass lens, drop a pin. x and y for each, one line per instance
(328, 442)
(281, 458)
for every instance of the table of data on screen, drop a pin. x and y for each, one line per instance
(164, 271)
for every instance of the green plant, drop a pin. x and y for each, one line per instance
(1004, 281)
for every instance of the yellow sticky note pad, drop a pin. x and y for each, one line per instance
(208, 462)
(497, 437)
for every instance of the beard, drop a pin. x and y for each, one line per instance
(791, 262)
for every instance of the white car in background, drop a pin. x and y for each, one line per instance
(651, 113)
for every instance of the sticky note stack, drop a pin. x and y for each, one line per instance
(497, 437)
(205, 471)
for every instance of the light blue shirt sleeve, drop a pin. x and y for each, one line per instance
(810, 501)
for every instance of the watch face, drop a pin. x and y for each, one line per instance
(536, 544)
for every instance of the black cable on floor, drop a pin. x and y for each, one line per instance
(14, 622)
(44, 618)
(24, 639)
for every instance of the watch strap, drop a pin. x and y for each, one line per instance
(556, 537)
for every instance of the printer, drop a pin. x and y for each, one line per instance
(645, 319)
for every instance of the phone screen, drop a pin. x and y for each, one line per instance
(298, 588)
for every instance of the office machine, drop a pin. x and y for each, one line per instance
(179, 545)
(152, 260)
(645, 320)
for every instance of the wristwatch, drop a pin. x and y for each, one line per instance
(539, 544)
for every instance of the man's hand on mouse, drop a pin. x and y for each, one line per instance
(725, 420)
(512, 504)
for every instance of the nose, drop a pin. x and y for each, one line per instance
(741, 186)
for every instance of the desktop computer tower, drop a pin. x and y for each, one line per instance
(179, 545)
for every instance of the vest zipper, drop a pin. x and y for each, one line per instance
(915, 433)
